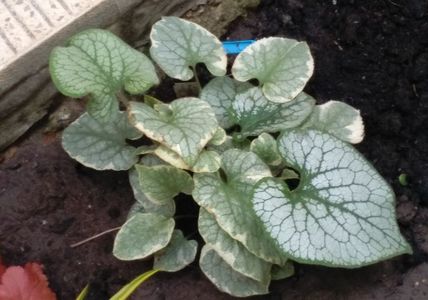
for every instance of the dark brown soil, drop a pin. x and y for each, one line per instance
(370, 54)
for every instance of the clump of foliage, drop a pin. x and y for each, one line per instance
(275, 175)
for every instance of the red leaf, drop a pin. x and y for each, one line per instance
(25, 283)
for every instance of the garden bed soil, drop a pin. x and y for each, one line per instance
(370, 54)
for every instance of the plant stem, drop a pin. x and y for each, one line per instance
(121, 96)
(95, 236)
(197, 78)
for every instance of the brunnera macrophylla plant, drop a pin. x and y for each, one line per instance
(238, 150)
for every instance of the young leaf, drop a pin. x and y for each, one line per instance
(339, 119)
(143, 235)
(282, 66)
(219, 137)
(265, 147)
(24, 283)
(187, 130)
(229, 200)
(341, 214)
(99, 64)
(227, 279)
(282, 272)
(101, 146)
(127, 290)
(145, 205)
(207, 162)
(177, 255)
(178, 44)
(256, 114)
(162, 183)
(232, 251)
(220, 92)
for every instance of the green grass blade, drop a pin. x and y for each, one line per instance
(128, 289)
(83, 293)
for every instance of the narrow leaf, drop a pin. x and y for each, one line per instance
(143, 235)
(282, 66)
(226, 279)
(339, 119)
(341, 214)
(97, 63)
(101, 146)
(128, 289)
(178, 44)
(177, 255)
(83, 293)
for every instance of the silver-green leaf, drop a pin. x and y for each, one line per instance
(232, 251)
(227, 279)
(142, 235)
(220, 92)
(207, 162)
(339, 119)
(161, 183)
(178, 44)
(266, 148)
(256, 114)
(341, 214)
(229, 200)
(101, 146)
(282, 66)
(167, 209)
(179, 253)
(97, 63)
(185, 129)
(219, 137)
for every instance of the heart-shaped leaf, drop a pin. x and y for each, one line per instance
(256, 114)
(144, 204)
(99, 64)
(229, 200)
(178, 44)
(220, 92)
(161, 183)
(265, 147)
(282, 66)
(227, 279)
(186, 129)
(142, 235)
(179, 253)
(101, 146)
(339, 119)
(341, 214)
(207, 162)
(232, 251)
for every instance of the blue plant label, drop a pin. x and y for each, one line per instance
(235, 47)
